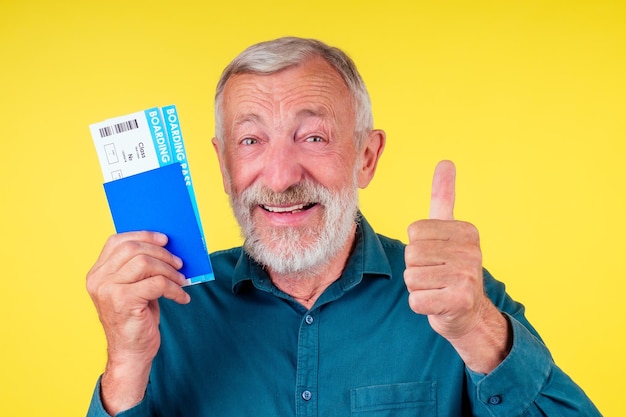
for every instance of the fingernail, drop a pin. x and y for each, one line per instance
(160, 237)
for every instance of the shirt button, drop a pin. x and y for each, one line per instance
(308, 319)
(306, 395)
(495, 400)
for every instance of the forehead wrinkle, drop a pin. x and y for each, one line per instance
(246, 92)
(247, 112)
(314, 94)
(316, 103)
(315, 91)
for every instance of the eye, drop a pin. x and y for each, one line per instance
(314, 139)
(249, 141)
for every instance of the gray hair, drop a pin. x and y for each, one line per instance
(270, 57)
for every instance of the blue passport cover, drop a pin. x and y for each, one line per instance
(158, 200)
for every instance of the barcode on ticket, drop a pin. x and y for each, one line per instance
(118, 128)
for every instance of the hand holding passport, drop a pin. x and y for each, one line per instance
(148, 183)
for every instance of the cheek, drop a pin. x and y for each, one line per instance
(238, 173)
(336, 170)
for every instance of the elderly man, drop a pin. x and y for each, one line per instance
(311, 316)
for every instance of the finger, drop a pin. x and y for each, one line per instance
(426, 278)
(417, 255)
(133, 249)
(443, 191)
(155, 238)
(161, 286)
(132, 261)
(430, 302)
(143, 266)
(428, 230)
(139, 269)
(121, 248)
(465, 278)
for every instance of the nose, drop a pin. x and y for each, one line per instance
(282, 165)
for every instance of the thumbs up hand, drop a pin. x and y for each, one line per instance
(445, 279)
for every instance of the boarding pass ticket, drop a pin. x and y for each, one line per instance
(131, 144)
(140, 142)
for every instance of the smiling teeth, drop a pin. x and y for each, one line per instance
(295, 208)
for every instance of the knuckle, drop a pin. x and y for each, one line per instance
(157, 286)
(414, 303)
(91, 285)
(105, 298)
(410, 254)
(415, 228)
(463, 278)
(129, 247)
(159, 283)
(106, 291)
(408, 278)
(142, 262)
(470, 253)
(476, 256)
(111, 240)
(94, 281)
(469, 230)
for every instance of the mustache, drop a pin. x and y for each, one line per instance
(305, 192)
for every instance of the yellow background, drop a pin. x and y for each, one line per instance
(528, 97)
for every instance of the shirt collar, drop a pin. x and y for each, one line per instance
(368, 257)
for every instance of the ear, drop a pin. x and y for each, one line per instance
(217, 145)
(370, 154)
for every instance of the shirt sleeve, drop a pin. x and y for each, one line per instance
(96, 409)
(527, 383)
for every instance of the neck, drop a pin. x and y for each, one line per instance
(307, 286)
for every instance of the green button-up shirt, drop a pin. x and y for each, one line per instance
(242, 347)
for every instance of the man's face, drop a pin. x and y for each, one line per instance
(290, 164)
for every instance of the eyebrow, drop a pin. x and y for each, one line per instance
(247, 118)
(318, 112)
(242, 119)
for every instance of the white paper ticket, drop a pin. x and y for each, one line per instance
(131, 144)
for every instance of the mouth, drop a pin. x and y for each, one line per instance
(296, 208)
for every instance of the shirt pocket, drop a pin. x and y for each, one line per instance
(411, 399)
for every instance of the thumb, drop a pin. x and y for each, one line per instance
(442, 195)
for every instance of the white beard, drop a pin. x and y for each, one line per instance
(300, 250)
